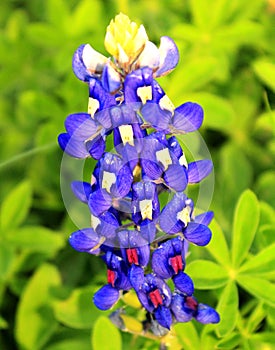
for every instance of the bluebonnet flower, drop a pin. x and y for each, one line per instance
(142, 242)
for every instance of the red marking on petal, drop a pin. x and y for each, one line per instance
(132, 256)
(191, 303)
(176, 263)
(111, 277)
(156, 298)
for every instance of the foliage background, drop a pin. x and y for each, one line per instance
(227, 50)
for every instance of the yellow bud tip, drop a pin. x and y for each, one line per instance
(125, 39)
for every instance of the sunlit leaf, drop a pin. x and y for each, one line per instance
(16, 206)
(206, 274)
(187, 335)
(35, 321)
(228, 309)
(246, 219)
(266, 72)
(105, 336)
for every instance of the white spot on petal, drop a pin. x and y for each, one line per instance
(127, 134)
(183, 161)
(166, 103)
(94, 222)
(146, 209)
(93, 106)
(164, 157)
(184, 215)
(107, 180)
(144, 93)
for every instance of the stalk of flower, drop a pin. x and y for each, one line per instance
(143, 245)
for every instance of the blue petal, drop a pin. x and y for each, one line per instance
(150, 168)
(85, 240)
(136, 276)
(72, 146)
(160, 264)
(197, 233)
(81, 190)
(188, 117)
(155, 116)
(163, 316)
(148, 231)
(181, 313)
(106, 297)
(206, 314)
(78, 66)
(96, 147)
(198, 170)
(176, 177)
(123, 182)
(184, 283)
(175, 147)
(80, 125)
(110, 78)
(169, 56)
(99, 202)
(144, 300)
(168, 221)
(108, 225)
(97, 92)
(138, 78)
(204, 218)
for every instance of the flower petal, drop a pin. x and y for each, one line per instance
(106, 297)
(136, 276)
(99, 202)
(176, 177)
(81, 190)
(204, 218)
(110, 78)
(198, 170)
(206, 314)
(80, 125)
(184, 283)
(188, 117)
(85, 240)
(197, 233)
(155, 116)
(72, 146)
(96, 147)
(169, 56)
(180, 311)
(163, 316)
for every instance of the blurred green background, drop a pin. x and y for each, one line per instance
(227, 64)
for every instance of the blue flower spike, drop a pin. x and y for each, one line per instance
(130, 129)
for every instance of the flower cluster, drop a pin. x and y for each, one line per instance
(142, 243)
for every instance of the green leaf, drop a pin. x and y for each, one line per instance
(262, 264)
(35, 321)
(235, 176)
(3, 323)
(255, 319)
(267, 214)
(231, 341)
(246, 219)
(218, 247)
(266, 72)
(78, 311)
(206, 274)
(103, 326)
(265, 188)
(16, 206)
(7, 257)
(259, 287)
(228, 309)
(36, 239)
(187, 335)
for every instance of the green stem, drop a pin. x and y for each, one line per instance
(27, 154)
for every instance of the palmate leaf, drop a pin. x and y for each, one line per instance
(187, 335)
(16, 206)
(35, 322)
(206, 274)
(228, 309)
(259, 287)
(78, 311)
(217, 247)
(245, 224)
(262, 264)
(105, 336)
